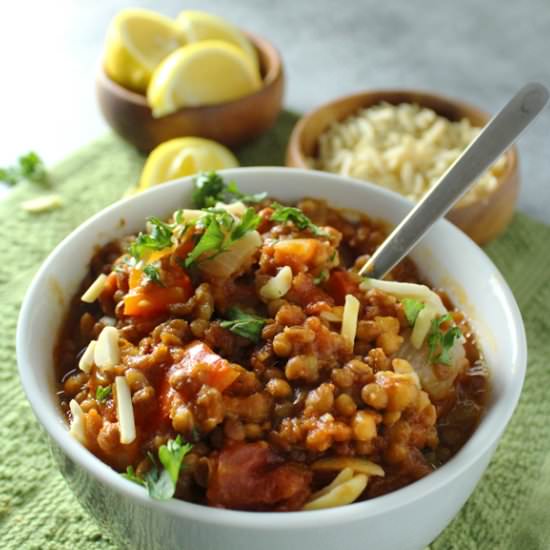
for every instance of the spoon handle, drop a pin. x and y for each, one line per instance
(501, 131)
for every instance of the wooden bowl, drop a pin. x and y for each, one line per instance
(482, 219)
(231, 123)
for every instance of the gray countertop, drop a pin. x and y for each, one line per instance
(477, 51)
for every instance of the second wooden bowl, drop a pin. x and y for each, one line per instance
(231, 123)
(482, 219)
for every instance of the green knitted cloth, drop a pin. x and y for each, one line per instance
(511, 505)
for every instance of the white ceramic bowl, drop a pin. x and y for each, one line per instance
(406, 519)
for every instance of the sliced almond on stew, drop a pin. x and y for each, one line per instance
(278, 285)
(349, 318)
(358, 465)
(344, 493)
(125, 411)
(77, 429)
(87, 359)
(95, 289)
(106, 352)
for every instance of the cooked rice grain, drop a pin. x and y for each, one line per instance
(405, 148)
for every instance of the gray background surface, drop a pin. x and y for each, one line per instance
(480, 51)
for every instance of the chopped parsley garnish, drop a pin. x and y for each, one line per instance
(103, 393)
(322, 277)
(152, 273)
(235, 194)
(244, 324)
(212, 240)
(441, 343)
(220, 228)
(159, 238)
(211, 188)
(171, 456)
(412, 308)
(161, 479)
(285, 214)
(29, 167)
(248, 222)
(131, 475)
(221, 231)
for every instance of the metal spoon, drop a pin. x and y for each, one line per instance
(501, 131)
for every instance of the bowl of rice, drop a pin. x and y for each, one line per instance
(405, 141)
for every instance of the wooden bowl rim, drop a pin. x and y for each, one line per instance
(419, 97)
(274, 70)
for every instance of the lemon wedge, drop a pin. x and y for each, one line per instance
(182, 157)
(137, 41)
(198, 25)
(203, 73)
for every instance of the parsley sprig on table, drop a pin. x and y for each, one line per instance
(244, 324)
(285, 214)
(161, 479)
(29, 167)
(440, 343)
(210, 188)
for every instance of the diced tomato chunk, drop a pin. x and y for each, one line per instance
(153, 299)
(297, 253)
(214, 370)
(250, 476)
(165, 394)
(341, 283)
(199, 366)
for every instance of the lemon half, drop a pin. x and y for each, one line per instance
(182, 157)
(204, 73)
(137, 41)
(199, 25)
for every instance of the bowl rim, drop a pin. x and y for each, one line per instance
(482, 440)
(264, 48)
(419, 95)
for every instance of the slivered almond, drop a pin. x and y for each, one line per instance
(277, 286)
(345, 475)
(407, 290)
(106, 352)
(358, 465)
(95, 289)
(344, 493)
(87, 359)
(237, 209)
(125, 411)
(77, 429)
(349, 318)
(42, 203)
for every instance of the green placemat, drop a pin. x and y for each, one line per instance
(509, 508)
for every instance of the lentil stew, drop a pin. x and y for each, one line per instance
(232, 356)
